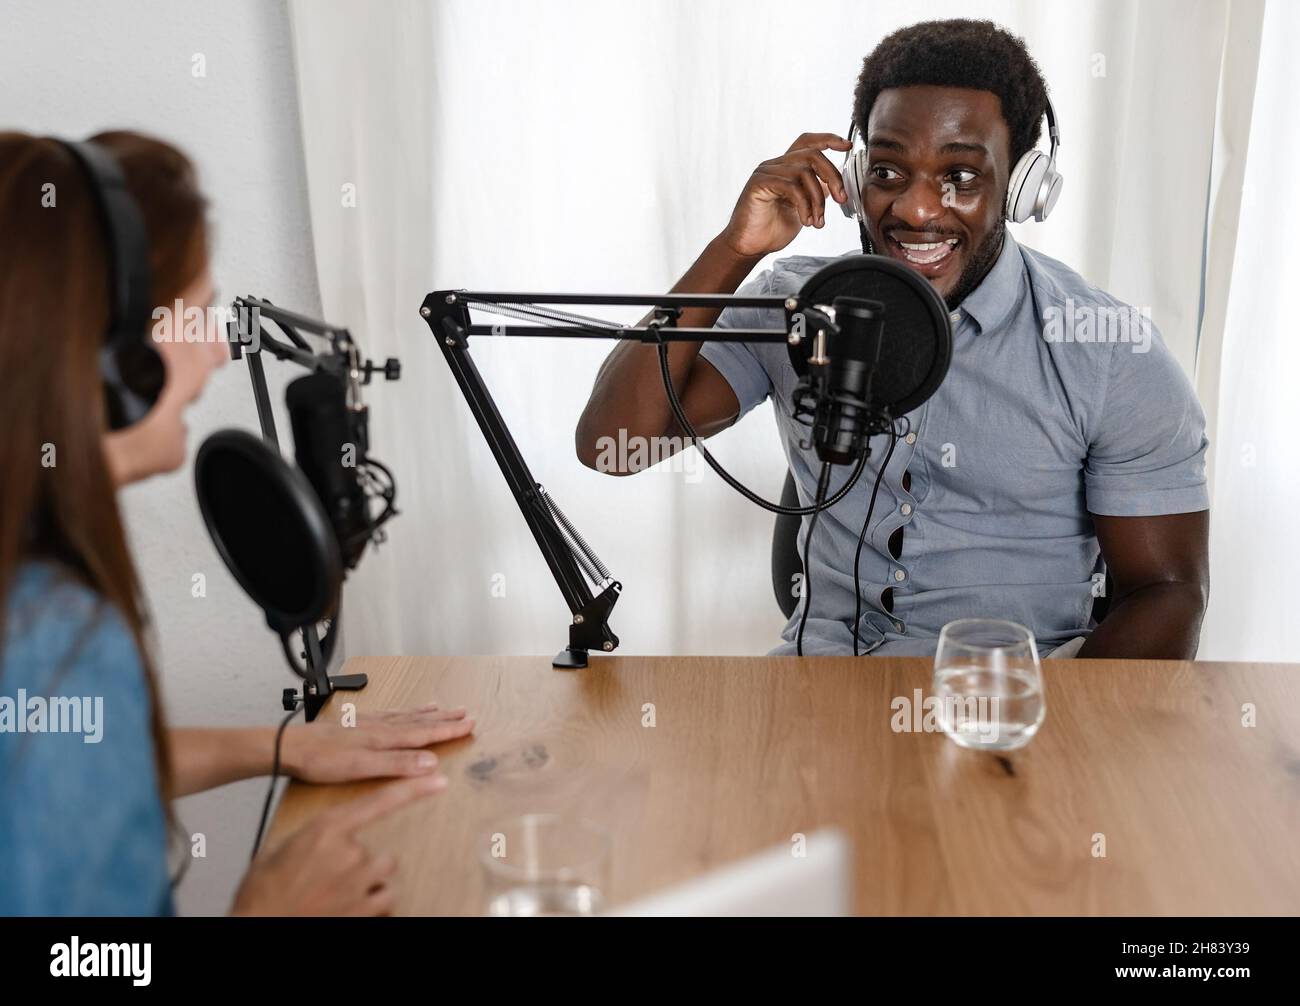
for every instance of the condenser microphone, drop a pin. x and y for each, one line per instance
(329, 439)
(846, 403)
(881, 346)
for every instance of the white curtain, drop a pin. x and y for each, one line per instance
(587, 146)
(1255, 536)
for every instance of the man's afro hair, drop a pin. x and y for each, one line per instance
(959, 53)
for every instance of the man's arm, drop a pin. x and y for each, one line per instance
(628, 393)
(1161, 572)
(782, 196)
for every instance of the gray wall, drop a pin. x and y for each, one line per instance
(76, 68)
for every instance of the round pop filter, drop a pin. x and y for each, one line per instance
(916, 342)
(270, 529)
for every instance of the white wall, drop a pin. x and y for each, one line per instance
(76, 68)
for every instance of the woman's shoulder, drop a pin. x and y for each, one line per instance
(56, 625)
(76, 753)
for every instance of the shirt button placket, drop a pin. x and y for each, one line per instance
(906, 509)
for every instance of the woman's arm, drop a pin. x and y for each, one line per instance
(389, 743)
(207, 757)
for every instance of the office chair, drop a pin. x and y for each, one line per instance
(786, 561)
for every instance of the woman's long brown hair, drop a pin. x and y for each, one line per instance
(54, 313)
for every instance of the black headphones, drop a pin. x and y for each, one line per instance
(132, 370)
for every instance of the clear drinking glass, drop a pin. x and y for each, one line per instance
(545, 864)
(989, 684)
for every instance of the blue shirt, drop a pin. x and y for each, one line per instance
(1060, 402)
(82, 827)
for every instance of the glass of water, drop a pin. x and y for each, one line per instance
(989, 684)
(545, 864)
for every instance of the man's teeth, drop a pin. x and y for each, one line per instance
(927, 252)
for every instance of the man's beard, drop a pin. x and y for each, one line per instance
(977, 266)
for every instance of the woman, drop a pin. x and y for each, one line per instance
(84, 815)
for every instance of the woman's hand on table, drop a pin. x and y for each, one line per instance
(384, 744)
(324, 869)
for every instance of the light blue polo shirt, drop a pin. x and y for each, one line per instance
(1060, 402)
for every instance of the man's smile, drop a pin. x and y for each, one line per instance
(930, 254)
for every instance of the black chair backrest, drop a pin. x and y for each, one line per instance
(787, 564)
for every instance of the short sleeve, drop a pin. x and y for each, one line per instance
(1146, 455)
(736, 361)
(84, 831)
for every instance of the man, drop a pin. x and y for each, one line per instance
(1058, 448)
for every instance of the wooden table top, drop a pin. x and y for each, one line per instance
(1200, 813)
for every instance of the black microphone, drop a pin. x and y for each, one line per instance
(880, 347)
(330, 447)
(845, 404)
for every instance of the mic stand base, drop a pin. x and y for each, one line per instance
(314, 696)
(314, 699)
(318, 685)
(590, 630)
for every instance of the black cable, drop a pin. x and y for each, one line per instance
(187, 854)
(753, 497)
(868, 248)
(275, 776)
(857, 555)
(823, 484)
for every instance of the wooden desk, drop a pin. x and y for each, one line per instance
(1201, 815)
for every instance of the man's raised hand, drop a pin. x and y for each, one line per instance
(786, 194)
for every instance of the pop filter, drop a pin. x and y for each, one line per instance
(915, 341)
(270, 529)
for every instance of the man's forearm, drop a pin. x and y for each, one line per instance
(1161, 621)
(206, 757)
(628, 394)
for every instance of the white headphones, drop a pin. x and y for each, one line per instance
(1034, 189)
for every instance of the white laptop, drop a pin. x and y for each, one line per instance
(777, 882)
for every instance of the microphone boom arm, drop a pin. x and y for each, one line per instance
(570, 559)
